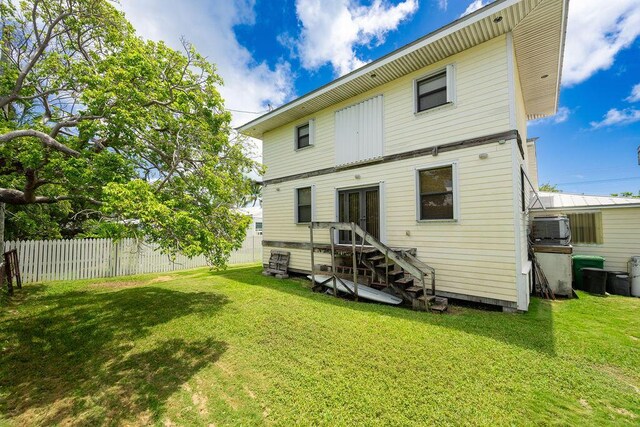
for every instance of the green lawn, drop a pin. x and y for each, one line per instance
(237, 348)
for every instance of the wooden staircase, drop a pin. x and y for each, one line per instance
(372, 263)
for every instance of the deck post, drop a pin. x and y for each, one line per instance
(313, 270)
(333, 261)
(386, 267)
(355, 264)
(433, 282)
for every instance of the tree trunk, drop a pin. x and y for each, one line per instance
(1, 230)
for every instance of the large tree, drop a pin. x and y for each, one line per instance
(128, 134)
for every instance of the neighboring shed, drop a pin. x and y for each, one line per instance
(600, 225)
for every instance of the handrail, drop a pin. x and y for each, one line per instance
(406, 261)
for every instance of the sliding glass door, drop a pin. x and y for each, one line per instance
(361, 206)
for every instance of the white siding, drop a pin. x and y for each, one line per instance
(481, 108)
(474, 255)
(620, 232)
(359, 131)
(482, 253)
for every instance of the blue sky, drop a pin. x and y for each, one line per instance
(269, 52)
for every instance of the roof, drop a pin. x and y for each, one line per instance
(538, 28)
(580, 201)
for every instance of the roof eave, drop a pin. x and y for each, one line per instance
(491, 8)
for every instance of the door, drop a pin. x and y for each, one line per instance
(361, 206)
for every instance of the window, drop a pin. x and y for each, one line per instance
(436, 194)
(302, 136)
(258, 227)
(432, 92)
(586, 228)
(303, 205)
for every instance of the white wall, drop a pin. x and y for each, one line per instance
(620, 233)
(474, 255)
(481, 108)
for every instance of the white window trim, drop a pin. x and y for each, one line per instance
(451, 89)
(295, 204)
(456, 191)
(312, 134)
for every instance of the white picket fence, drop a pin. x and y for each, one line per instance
(46, 260)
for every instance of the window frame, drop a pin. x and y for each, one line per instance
(296, 206)
(455, 192)
(450, 89)
(310, 124)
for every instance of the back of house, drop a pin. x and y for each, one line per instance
(425, 149)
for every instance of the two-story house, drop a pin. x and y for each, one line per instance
(424, 148)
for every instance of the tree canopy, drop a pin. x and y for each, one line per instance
(550, 188)
(121, 135)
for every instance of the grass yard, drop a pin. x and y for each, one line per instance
(237, 348)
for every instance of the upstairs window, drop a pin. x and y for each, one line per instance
(304, 135)
(436, 194)
(434, 90)
(303, 205)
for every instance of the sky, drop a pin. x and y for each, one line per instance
(272, 51)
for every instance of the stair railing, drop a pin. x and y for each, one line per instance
(408, 262)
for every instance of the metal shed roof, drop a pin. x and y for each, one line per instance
(538, 28)
(578, 201)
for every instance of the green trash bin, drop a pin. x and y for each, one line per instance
(584, 261)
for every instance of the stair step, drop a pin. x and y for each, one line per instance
(413, 289)
(428, 298)
(369, 250)
(376, 258)
(404, 280)
(396, 272)
(377, 285)
(438, 307)
(385, 265)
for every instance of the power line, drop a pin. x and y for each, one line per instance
(248, 112)
(269, 108)
(631, 178)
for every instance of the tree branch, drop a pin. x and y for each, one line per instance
(17, 197)
(46, 140)
(34, 59)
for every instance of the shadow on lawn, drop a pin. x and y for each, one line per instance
(532, 330)
(74, 359)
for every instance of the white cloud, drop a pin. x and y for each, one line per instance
(248, 85)
(560, 117)
(595, 34)
(443, 4)
(473, 6)
(618, 117)
(332, 28)
(635, 94)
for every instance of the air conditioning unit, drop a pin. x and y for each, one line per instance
(551, 230)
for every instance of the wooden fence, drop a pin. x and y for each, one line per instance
(45, 260)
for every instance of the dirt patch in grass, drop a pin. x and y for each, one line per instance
(123, 284)
(161, 279)
(118, 284)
